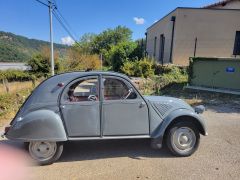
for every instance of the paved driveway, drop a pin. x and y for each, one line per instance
(218, 156)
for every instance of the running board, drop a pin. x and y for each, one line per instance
(108, 137)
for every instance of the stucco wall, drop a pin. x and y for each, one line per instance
(215, 31)
(164, 26)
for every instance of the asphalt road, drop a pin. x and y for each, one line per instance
(218, 156)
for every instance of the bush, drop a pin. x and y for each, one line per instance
(160, 69)
(142, 68)
(120, 54)
(77, 61)
(16, 75)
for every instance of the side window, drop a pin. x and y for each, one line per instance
(115, 89)
(84, 90)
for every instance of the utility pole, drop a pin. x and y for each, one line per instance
(51, 36)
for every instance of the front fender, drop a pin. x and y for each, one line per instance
(39, 125)
(175, 115)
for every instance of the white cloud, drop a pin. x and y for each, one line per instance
(139, 21)
(67, 41)
(155, 21)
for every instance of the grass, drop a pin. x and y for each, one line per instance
(195, 97)
(12, 100)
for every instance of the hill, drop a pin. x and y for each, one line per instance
(15, 48)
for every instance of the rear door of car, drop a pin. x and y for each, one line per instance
(80, 107)
(123, 116)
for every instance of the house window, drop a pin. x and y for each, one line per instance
(236, 50)
(155, 46)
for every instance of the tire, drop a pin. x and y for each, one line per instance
(183, 139)
(45, 153)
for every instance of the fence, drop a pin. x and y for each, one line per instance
(223, 73)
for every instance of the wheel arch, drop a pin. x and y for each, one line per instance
(176, 116)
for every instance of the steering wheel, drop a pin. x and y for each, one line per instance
(92, 98)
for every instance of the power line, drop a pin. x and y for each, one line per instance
(59, 17)
(66, 22)
(42, 3)
(63, 25)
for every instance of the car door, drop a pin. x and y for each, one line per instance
(80, 107)
(124, 111)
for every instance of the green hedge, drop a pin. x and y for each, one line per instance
(16, 75)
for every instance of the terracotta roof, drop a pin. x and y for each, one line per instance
(223, 3)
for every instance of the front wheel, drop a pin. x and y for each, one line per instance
(183, 139)
(45, 153)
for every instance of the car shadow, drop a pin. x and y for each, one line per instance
(137, 149)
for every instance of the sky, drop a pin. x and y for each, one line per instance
(31, 19)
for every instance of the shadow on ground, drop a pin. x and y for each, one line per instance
(90, 150)
(138, 149)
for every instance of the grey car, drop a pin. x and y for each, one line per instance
(99, 106)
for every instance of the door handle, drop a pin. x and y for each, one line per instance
(63, 106)
(142, 104)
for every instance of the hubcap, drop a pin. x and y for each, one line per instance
(183, 139)
(42, 151)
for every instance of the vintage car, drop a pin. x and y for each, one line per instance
(97, 106)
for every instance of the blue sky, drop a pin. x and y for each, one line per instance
(29, 18)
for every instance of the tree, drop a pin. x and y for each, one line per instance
(77, 60)
(40, 63)
(111, 37)
(85, 44)
(121, 53)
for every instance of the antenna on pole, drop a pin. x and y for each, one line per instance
(51, 7)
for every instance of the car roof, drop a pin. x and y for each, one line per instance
(87, 73)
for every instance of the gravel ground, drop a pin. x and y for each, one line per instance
(218, 156)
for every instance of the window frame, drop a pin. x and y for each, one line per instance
(65, 96)
(127, 83)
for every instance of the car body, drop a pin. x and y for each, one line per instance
(100, 105)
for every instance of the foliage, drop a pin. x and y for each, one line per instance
(20, 49)
(111, 37)
(76, 61)
(121, 53)
(16, 75)
(10, 103)
(142, 68)
(105, 42)
(40, 63)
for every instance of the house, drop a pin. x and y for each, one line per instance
(211, 31)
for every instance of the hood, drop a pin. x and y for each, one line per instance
(164, 105)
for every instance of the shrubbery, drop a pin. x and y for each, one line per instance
(16, 75)
(141, 68)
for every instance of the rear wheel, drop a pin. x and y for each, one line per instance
(183, 139)
(45, 153)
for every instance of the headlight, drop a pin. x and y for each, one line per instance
(199, 109)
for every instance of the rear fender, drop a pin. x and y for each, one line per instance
(39, 125)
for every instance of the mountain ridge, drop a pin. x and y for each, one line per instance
(18, 48)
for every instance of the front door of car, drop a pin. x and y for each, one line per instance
(124, 111)
(80, 107)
